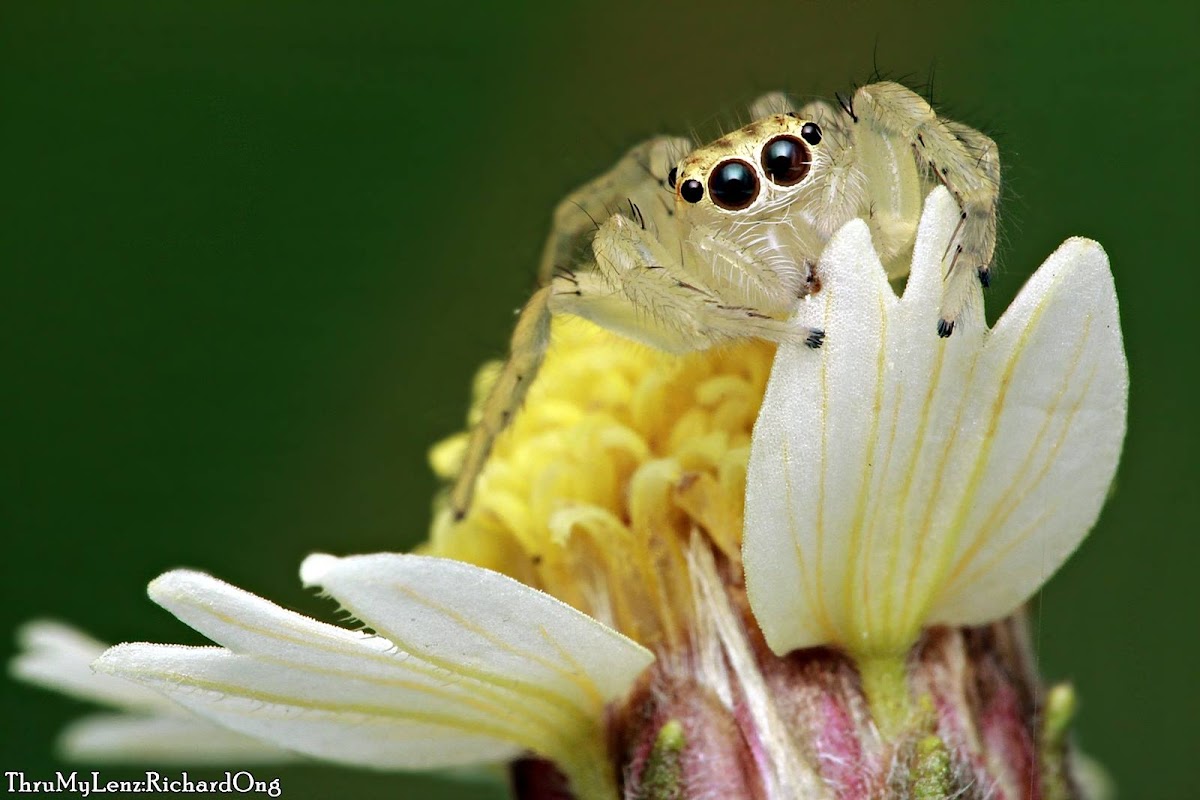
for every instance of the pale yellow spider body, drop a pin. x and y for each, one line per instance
(687, 250)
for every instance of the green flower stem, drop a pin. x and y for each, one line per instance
(885, 684)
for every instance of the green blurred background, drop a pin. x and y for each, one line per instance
(253, 251)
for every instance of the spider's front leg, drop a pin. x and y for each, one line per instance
(618, 291)
(530, 340)
(638, 180)
(964, 160)
(635, 185)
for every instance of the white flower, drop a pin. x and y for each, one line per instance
(149, 727)
(468, 666)
(899, 480)
(896, 480)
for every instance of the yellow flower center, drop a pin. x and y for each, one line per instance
(619, 453)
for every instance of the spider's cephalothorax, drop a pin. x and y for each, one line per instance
(683, 251)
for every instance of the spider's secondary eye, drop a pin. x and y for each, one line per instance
(811, 133)
(672, 176)
(692, 190)
(733, 185)
(785, 159)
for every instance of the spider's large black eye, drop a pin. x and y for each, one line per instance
(692, 190)
(672, 176)
(733, 185)
(785, 159)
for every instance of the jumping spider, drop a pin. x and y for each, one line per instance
(683, 251)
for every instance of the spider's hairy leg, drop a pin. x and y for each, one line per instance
(530, 339)
(636, 185)
(820, 112)
(639, 178)
(965, 161)
(645, 292)
(771, 103)
(895, 193)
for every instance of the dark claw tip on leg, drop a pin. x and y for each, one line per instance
(985, 277)
(815, 339)
(945, 328)
(459, 514)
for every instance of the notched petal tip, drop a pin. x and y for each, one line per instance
(131, 660)
(314, 569)
(179, 583)
(468, 617)
(924, 287)
(848, 250)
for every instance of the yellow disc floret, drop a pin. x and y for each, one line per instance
(619, 453)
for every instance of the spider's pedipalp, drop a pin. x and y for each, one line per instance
(642, 290)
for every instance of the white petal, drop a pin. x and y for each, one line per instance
(59, 657)
(484, 624)
(363, 699)
(1059, 422)
(330, 715)
(181, 739)
(247, 623)
(897, 478)
(310, 661)
(806, 455)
